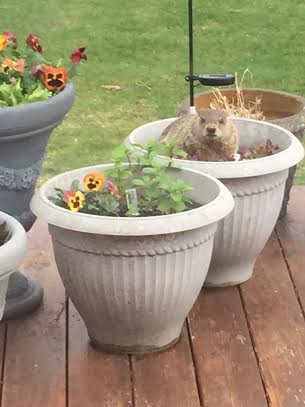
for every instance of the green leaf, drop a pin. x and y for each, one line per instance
(180, 153)
(153, 192)
(75, 185)
(33, 58)
(150, 170)
(177, 197)
(179, 206)
(144, 161)
(175, 164)
(164, 205)
(120, 152)
(125, 175)
(138, 146)
(37, 94)
(109, 204)
(138, 182)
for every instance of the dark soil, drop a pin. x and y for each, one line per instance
(4, 234)
(190, 205)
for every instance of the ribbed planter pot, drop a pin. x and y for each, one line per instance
(134, 280)
(11, 254)
(257, 187)
(280, 108)
(24, 134)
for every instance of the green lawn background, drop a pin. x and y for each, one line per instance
(136, 43)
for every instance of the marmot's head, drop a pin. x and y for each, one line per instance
(212, 124)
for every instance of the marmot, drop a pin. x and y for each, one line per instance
(207, 136)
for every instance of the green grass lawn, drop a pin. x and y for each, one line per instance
(137, 43)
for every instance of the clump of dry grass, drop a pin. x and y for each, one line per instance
(238, 107)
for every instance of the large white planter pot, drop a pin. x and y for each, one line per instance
(134, 280)
(257, 187)
(11, 254)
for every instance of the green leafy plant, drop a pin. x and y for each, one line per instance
(136, 185)
(27, 76)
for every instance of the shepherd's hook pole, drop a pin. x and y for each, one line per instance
(191, 56)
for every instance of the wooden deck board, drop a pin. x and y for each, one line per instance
(166, 379)
(223, 351)
(34, 371)
(95, 379)
(219, 368)
(277, 326)
(3, 329)
(291, 233)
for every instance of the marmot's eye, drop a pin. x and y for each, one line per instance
(221, 121)
(202, 120)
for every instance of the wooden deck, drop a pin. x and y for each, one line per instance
(241, 347)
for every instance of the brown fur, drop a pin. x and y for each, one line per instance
(207, 136)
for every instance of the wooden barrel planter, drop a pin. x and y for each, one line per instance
(280, 108)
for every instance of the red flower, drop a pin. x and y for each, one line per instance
(245, 153)
(33, 42)
(113, 189)
(38, 72)
(69, 194)
(11, 38)
(78, 55)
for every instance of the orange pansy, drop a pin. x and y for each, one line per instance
(9, 63)
(54, 78)
(94, 181)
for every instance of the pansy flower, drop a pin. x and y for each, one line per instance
(11, 38)
(245, 153)
(37, 72)
(74, 200)
(94, 181)
(3, 42)
(10, 64)
(54, 78)
(78, 54)
(33, 42)
(113, 189)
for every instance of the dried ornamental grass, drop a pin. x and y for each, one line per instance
(238, 107)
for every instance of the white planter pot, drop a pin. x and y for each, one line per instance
(257, 187)
(11, 254)
(134, 280)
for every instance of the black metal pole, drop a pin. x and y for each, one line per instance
(191, 52)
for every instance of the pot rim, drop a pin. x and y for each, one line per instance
(25, 108)
(263, 90)
(283, 160)
(12, 252)
(279, 120)
(31, 119)
(205, 215)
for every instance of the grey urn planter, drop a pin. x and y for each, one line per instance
(281, 108)
(257, 187)
(134, 280)
(24, 134)
(11, 254)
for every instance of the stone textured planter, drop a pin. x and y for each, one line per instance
(24, 134)
(280, 108)
(134, 280)
(257, 187)
(11, 254)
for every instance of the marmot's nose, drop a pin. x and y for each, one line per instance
(211, 130)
